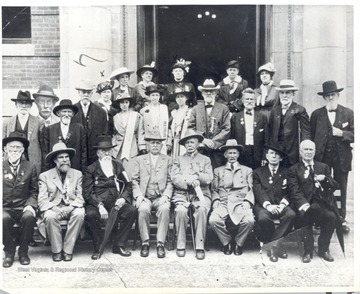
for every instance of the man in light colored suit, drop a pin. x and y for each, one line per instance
(152, 189)
(27, 124)
(212, 120)
(45, 100)
(60, 197)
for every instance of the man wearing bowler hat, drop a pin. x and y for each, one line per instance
(91, 116)
(67, 131)
(332, 129)
(105, 186)
(45, 100)
(233, 198)
(60, 198)
(20, 191)
(27, 124)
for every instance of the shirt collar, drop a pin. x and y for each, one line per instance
(306, 164)
(227, 80)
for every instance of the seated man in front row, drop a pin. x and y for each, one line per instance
(103, 189)
(232, 199)
(60, 198)
(272, 202)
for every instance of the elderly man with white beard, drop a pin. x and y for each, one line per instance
(60, 198)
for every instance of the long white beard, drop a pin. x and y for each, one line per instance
(106, 166)
(14, 156)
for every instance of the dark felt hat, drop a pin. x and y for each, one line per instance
(329, 87)
(119, 98)
(103, 142)
(23, 96)
(65, 103)
(16, 136)
(107, 85)
(46, 91)
(277, 149)
(147, 67)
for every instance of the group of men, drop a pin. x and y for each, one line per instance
(71, 175)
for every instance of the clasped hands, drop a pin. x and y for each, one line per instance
(275, 209)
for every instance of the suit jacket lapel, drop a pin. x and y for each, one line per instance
(214, 110)
(56, 179)
(147, 162)
(12, 124)
(31, 126)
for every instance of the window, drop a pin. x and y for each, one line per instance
(16, 25)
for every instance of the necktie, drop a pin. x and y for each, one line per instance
(274, 172)
(232, 166)
(248, 112)
(332, 110)
(14, 169)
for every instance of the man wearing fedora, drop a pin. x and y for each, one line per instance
(191, 175)
(45, 100)
(71, 133)
(332, 129)
(212, 119)
(272, 202)
(152, 189)
(250, 129)
(122, 76)
(233, 198)
(60, 198)
(20, 191)
(106, 185)
(27, 124)
(91, 116)
(289, 123)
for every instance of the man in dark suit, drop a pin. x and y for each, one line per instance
(332, 129)
(103, 188)
(91, 116)
(20, 191)
(311, 187)
(212, 120)
(272, 202)
(250, 129)
(289, 123)
(67, 131)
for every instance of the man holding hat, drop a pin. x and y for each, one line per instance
(272, 202)
(122, 75)
(60, 198)
(72, 134)
(45, 100)
(231, 87)
(212, 119)
(27, 124)
(233, 198)
(191, 175)
(289, 123)
(106, 185)
(20, 191)
(152, 189)
(332, 129)
(91, 116)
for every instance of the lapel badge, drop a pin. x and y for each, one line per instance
(242, 120)
(306, 174)
(8, 176)
(270, 180)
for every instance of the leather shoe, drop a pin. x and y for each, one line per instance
(66, 257)
(272, 255)
(56, 256)
(180, 252)
(24, 259)
(200, 254)
(8, 261)
(227, 249)
(160, 251)
(306, 257)
(238, 250)
(121, 250)
(281, 253)
(144, 250)
(326, 255)
(96, 255)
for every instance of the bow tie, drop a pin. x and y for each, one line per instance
(248, 112)
(209, 106)
(332, 110)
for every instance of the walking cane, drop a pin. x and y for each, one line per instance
(191, 220)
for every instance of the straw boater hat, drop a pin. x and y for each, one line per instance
(23, 96)
(269, 67)
(65, 103)
(85, 85)
(190, 133)
(233, 64)
(46, 91)
(16, 136)
(120, 98)
(184, 91)
(147, 67)
(60, 148)
(231, 144)
(329, 87)
(153, 89)
(107, 85)
(120, 71)
(287, 85)
(277, 149)
(103, 142)
(209, 84)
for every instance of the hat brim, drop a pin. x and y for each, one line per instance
(153, 70)
(104, 146)
(115, 75)
(24, 141)
(189, 95)
(36, 95)
(59, 107)
(287, 89)
(269, 71)
(334, 91)
(161, 92)
(197, 136)
(201, 88)
(282, 153)
(49, 157)
(23, 100)
(116, 103)
(154, 138)
(226, 147)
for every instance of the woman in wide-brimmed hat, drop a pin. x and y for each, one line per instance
(128, 134)
(122, 76)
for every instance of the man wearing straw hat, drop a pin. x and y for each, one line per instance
(332, 129)
(60, 198)
(45, 100)
(233, 198)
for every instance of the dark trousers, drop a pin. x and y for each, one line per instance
(27, 222)
(317, 213)
(265, 227)
(247, 157)
(126, 217)
(217, 157)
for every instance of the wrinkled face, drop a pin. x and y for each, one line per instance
(23, 107)
(14, 150)
(209, 95)
(106, 95)
(154, 98)
(178, 74)
(286, 97)
(232, 72)
(191, 145)
(273, 157)
(124, 79)
(147, 76)
(45, 106)
(249, 101)
(181, 99)
(85, 96)
(65, 115)
(307, 150)
(124, 105)
(62, 161)
(332, 98)
(154, 146)
(232, 155)
(104, 153)
(265, 77)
